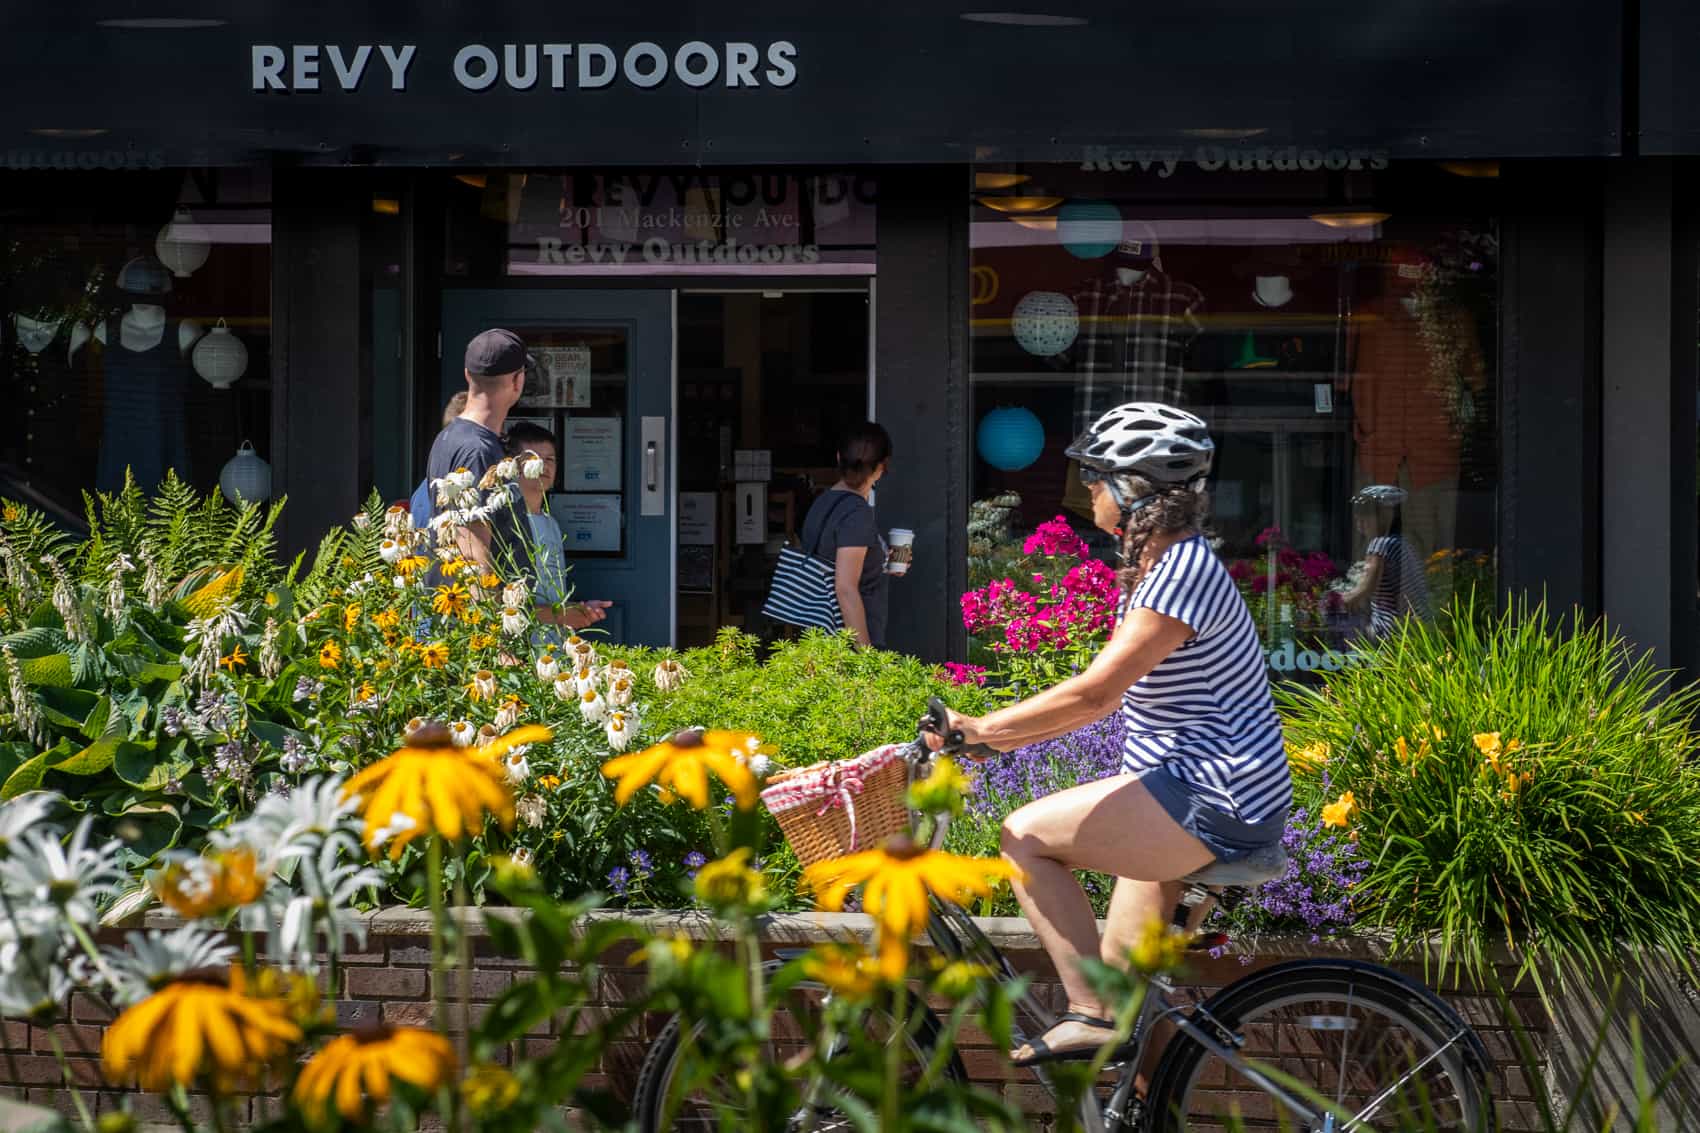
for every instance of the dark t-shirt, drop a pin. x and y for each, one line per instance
(469, 445)
(845, 519)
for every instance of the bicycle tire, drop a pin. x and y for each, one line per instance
(1371, 986)
(654, 1078)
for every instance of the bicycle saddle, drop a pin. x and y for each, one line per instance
(1264, 865)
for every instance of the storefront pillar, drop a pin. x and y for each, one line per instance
(920, 396)
(319, 436)
(1636, 407)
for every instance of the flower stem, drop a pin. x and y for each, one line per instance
(177, 1100)
(434, 895)
(70, 1084)
(894, 1057)
(82, 937)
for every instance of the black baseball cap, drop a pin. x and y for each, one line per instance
(497, 352)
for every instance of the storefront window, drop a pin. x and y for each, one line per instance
(1337, 331)
(136, 333)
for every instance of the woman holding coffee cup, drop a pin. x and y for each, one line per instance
(842, 528)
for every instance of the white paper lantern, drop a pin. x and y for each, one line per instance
(1045, 323)
(182, 245)
(220, 357)
(246, 478)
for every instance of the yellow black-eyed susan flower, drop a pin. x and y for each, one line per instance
(356, 1070)
(197, 1028)
(682, 764)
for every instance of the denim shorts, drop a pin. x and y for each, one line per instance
(1229, 838)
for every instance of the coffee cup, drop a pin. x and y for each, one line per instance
(902, 551)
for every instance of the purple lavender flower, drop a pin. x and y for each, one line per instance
(1012, 780)
(642, 864)
(619, 880)
(693, 862)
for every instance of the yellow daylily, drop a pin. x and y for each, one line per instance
(1341, 811)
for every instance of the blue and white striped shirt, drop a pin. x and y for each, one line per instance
(1400, 590)
(1204, 714)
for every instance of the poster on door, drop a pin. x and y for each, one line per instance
(591, 452)
(562, 378)
(589, 524)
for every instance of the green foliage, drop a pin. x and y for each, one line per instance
(815, 698)
(1522, 781)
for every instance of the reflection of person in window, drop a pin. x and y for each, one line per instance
(548, 559)
(1390, 581)
(841, 527)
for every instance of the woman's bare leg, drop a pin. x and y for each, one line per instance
(1111, 826)
(1133, 904)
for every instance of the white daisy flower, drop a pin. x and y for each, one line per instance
(322, 909)
(462, 733)
(516, 594)
(72, 877)
(507, 468)
(518, 770)
(287, 825)
(533, 467)
(531, 811)
(362, 521)
(514, 621)
(507, 715)
(620, 693)
(591, 704)
(483, 684)
(150, 960)
(27, 810)
(398, 521)
(547, 667)
(391, 551)
(566, 689)
(585, 679)
(33, 980)
(399, 823)
(619, 731)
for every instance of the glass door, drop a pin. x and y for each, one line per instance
(604, 391)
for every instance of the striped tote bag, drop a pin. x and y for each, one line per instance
(802, 592)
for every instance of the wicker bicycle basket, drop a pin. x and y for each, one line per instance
(838, 807)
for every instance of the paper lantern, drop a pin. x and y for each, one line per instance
(1010, 438)
(245, 477)
(1045, 323)
(182, 245)
(1089, 229)
(144, 275)
(219, 357)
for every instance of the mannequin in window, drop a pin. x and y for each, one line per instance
(145, 383)
(1136, 329)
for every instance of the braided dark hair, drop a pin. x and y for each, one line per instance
(1171, 508)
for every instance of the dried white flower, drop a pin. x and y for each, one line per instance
(547, 667)
(483, 684)
(619, 731)
(620, 692)
(531, 811)
(391, 551)
(517, 769)
(514, 621)
(462, 733)
(362, 521)
(507, 715)
(398, 522)
(669, 675)
(566, 689)
(533, 467)
(516, 593)
(592, 706)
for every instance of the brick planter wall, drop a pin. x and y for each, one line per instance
(391, 981)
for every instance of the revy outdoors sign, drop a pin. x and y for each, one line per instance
(514, 82)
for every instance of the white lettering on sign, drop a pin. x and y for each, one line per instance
(1287, 657)
(273, 68)
(656, 250)
(521, 66)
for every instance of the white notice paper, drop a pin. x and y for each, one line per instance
(696, 519)
(590, 454)
(563, 378)
(588, 523)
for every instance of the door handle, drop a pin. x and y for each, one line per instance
(656, 487)
(651, 467)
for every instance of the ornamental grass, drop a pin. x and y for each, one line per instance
(1521, 782)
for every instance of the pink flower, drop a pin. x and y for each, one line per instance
(1270, 535)
(1239, 570)
(1055, 537)
(960, 674)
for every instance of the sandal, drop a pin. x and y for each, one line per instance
(1042, 1053)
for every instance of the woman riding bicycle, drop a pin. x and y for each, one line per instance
(1204, 772)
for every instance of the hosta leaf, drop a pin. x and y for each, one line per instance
(142, 766)
(37, 642)
(27, 777)
(52, 670)
(95, 758)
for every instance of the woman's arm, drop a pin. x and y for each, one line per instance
(1139, 644)
(1358, 596)
(847, 584)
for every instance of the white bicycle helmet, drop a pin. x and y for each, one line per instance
(1160, 443)
(1387, 495)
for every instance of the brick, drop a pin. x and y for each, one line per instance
(407, 951)
(1029, 1097)
(410, 1015)
(14, 1035)
(385, 983)
(481, 986)
(87, 1009)
(539, 1048)
(354, 1014)
(40, 1070)
(73, 1038)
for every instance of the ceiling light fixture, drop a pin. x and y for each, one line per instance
(1024, 19)
(476, 180)
(159, 23)
(388, 206)
(1349, 218)
(1037, 223)
(1471, 168)
(1020, 204)
(1000, 180)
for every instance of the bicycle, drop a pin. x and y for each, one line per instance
(1371, 1049)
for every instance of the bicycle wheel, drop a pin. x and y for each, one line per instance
(657, 1108)
(1385, 1053)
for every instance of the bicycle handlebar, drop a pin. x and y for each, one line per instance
(937, 723)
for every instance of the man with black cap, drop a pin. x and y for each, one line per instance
(496, 367)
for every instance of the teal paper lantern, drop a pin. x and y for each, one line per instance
(1089, 229)
(1010, 438)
